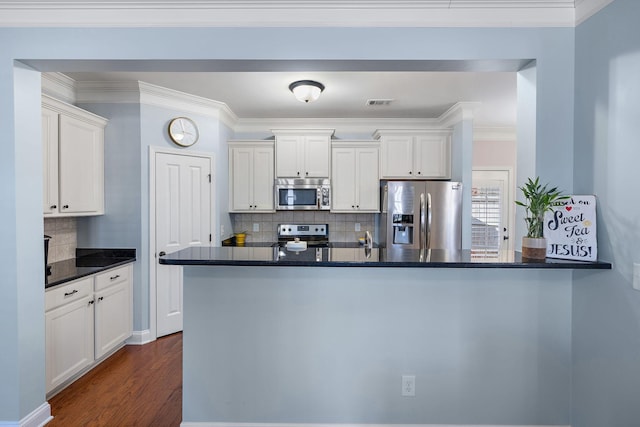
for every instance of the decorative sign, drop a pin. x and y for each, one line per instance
(570, 229)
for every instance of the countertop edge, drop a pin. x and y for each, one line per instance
(120, 262)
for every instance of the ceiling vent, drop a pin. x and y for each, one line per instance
(378, 102)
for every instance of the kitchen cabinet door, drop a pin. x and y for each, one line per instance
(50, 161)
(81, 167)
(355, 179)
(113, 323)
(432, 157)
(251, 177)
(397, 156)
(368, 181)
(316, 156)
(263, 198)
(343, 181)
(289, 156)
(69, 336)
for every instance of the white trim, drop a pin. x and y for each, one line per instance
(37, 418)
(494, 134)
(585, 9)
(128, 92)
(458, 112)
(216, 424)
(289, 13)
(59, 86)
(153, 150)
(140, 338)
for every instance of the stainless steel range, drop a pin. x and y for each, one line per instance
(315, 235)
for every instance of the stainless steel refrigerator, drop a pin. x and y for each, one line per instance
(421, 215)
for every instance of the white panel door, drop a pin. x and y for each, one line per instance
(262, 172)
(316, 156)
(492, 210)
(367, 181)
(343, 172)
(183, 219)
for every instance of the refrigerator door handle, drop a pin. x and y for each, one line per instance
(423, 238)
(428, 225)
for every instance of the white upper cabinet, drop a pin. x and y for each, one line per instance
(415, 154)
(355, 181)
(251, 176)
(303, 153)
(73, 147)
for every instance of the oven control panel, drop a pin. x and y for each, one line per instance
(303, 230)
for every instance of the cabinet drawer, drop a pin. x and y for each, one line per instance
(67, 293)
(112, 277)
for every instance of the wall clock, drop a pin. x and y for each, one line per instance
(183, 131)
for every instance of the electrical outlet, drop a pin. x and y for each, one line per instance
(357, 227)
(256, 227)
(636, 276)
(409, 385)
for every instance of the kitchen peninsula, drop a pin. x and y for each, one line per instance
(329, 338)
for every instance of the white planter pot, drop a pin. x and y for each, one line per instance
(534, 247)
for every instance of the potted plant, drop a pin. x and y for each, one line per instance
(538, 200)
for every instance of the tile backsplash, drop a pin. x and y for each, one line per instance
(64, 238)
(341, 226)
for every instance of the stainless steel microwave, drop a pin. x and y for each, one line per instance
(303, 194)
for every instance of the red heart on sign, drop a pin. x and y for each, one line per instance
(568, 208)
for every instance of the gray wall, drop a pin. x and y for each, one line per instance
(61, 49)
(330, 345)
(606, 310)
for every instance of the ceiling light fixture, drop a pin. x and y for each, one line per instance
(306, 90)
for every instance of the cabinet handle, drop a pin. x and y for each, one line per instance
(54, 207)
(65, 207)
(114, 277)
(68, 294)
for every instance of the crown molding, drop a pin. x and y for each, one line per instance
(127, 92)
(289, 13)
(585, 9)
(59, 86)
(494, 134)
(457, 113)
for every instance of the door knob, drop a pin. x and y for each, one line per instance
(162, 253)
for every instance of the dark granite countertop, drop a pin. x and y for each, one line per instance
(87, 262)
(362, 257)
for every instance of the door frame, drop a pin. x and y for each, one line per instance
(153, 321)
(511, 214)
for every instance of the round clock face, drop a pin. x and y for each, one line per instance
(183, 131)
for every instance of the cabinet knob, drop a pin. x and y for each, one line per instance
(419, 173)
(54, 207)
(358, 206)
(65, 207)
(91, 302)
(162, 253)
(306, 173)
(100, 299)
(298, 173)
(410, 173)
(352, 206)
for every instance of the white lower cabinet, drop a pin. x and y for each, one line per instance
(68, 331)
(85, 320)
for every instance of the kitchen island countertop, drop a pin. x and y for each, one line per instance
(364, 257)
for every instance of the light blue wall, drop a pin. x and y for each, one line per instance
(21, 222)
(330, 345)
(606, 316)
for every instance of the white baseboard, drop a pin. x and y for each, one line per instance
(140, 338)
(212, 424)
(37, 418)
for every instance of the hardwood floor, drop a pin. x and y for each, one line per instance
(137, 386)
